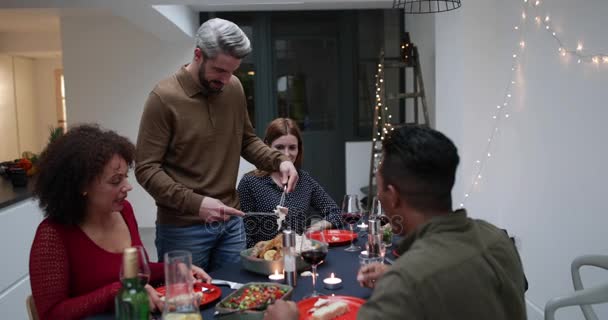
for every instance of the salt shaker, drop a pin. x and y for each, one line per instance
(289, 256)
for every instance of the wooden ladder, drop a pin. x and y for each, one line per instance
(382, 121)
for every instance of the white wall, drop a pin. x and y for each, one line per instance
(46, 100)
(422, 34)
(357, 160)
(547, 176)
(110, 66)
(182, 16)
(25, 98)
(8, 116)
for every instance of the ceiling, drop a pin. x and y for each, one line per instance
(258, 5)
(29, 20)
(41, 18)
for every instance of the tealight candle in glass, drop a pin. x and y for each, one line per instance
(332, 282)
(276, 277)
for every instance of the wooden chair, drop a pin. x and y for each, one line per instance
(31, 308)
(583, 297)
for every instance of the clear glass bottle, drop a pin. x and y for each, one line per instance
(132, 299)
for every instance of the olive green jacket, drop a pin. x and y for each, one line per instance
(451, 268)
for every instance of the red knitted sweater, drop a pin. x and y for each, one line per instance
(71, 276)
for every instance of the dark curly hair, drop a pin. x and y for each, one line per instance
(70, 163)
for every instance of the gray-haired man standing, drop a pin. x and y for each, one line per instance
(192, 133)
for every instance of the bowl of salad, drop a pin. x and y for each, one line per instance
(252, 299)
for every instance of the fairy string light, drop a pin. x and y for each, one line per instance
(382, 116)
(578, 53)
(379, 120)
(501, 110)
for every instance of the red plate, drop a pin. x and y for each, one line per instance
(209, 296)
(395, 253)
(353, 305)
(335, 237)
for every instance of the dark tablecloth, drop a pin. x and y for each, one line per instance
(342, 263)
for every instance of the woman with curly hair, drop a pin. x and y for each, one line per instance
(77, 250)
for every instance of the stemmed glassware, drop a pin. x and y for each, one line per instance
(351, 213)
(313, 252)
(143, 268)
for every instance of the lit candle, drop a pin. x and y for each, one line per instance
(276, 277)
(332, 282)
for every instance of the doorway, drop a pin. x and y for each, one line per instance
(306, 78)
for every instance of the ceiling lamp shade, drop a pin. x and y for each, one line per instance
(426, 6)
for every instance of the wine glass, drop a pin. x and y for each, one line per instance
(351, 213)
(143, 268)
(313, 252)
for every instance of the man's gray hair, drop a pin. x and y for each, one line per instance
(217, 36)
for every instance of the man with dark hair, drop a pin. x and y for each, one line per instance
(450, 266)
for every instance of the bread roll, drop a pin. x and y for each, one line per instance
(257, 249)
(268, 246)
(260, 248)
(278, 255)
(330, 311)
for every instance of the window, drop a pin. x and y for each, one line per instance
(291, 72)
(60, 98)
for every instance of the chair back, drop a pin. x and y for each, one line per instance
(31, 308)
(583, 297)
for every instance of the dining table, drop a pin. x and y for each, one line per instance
(343, 264)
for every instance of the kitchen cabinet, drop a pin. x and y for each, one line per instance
(18, 223)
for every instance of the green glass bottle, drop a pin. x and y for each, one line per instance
(132, 300)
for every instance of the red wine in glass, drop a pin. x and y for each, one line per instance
(351, 213)
(351, 217)
(313, 252)
(314, 257)
(384, 220)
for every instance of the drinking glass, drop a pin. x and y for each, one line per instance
(180, 301)
(143, 268)
(378, 212)
(351, 213)
(313, 252)
(365, 260)
(382, 249)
